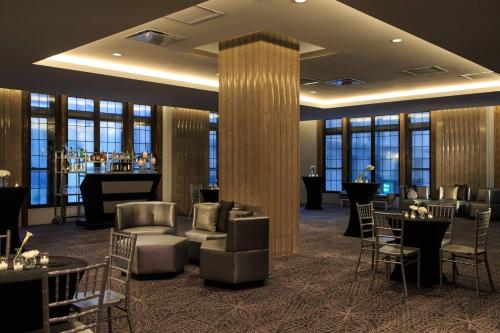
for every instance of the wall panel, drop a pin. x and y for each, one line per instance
(11, 133)
(459, 147)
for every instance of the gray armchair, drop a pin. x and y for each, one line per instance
(243, 257)
(146, 218)
(486, 198)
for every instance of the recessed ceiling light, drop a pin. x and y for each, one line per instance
(117, 54)
(217, 74)
(396, 40)
(314, 92)
(299, 1)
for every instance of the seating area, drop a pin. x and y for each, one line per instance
(249, 166)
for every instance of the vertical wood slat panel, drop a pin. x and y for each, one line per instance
(189, 154)
(459, 147)
(497, 147)
(11, 134)
(258, 126)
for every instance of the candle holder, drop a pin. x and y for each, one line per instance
(4, 263)
(18, 264)
(413, 215)
(406, 215)
(44, 258)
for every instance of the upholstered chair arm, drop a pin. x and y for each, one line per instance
(248, 234)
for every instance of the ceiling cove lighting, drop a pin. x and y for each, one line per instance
(62, 58)
(396, 40)
(401, 94)
(117, 54)
(299, 1)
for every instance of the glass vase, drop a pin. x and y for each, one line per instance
(30, 263)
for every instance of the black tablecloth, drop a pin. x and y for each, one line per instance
(426, 235)
(314, 188)
(361, 193)
(210, 195)
(21, 294)
(11, 200)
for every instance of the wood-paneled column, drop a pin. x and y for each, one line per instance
(259, 131)
(11, 134)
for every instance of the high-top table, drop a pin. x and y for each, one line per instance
(314, 188)
(427, 235)
(361, 193)
(210, 195)
(21, 293)
(11, 200)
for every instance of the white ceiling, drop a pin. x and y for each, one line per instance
(359, 45)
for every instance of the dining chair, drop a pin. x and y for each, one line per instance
(444, 213)
(195, 190)
(389, 226)
(89, 283)
(365, 218)
(470, 255)
(117, 293)
(6, 239)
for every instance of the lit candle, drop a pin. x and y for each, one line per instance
(3, 264)
(429, 216)
(412, 215)
(44, 259)
(17, 185)
(153, 161)
(145, 155)
(406, 215)
(18, 265)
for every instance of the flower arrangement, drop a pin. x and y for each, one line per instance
(26, 238)
(361, 177)
(4, 173)
(416, 208)
(30, 254)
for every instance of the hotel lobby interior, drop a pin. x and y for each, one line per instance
(250, 166)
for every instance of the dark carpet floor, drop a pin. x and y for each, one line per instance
(314, 291)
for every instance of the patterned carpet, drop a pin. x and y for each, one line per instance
(311, 292)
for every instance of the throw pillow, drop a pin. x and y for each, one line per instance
(411, 194)
(463, 192)
(225, 207)
(205, 216)
(450, 192)
(423, 192)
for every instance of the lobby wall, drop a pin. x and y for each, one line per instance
(11, 134)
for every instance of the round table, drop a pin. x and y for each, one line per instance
(210, 195)
(314, 189)
(21, 293)
(427, 235)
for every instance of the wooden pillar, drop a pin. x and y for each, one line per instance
(128, 127)
(403, 150)
(259, 131)
(11, 134)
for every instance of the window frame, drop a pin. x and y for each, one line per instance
(213, 128)
(412, 127)
(336, 129)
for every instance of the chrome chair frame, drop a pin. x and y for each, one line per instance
(7, 238)
(468, 255)
(94, 287)
(393, 252)
(195, 192)
(447, 213)
(366, 225)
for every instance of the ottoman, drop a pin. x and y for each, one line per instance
(156, 254)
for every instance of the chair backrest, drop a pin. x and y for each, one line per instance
(247, 234)
(482, 225)
(5, 239)
(443, 213)
(78, 284)
(389, 230)
(121, 254)
(365, 218)
(147, 213)
(195, 190)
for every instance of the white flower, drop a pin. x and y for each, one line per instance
(422, 210)
(4, 173)
(416, 202)
(30, 254)
(28, 235)
(370, 167)
(413, 207)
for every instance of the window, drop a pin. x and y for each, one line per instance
(142, 128)
(420, 160)
(80, 104)
(110, 126)
(361, 146)
(333, 155)
(387, 161)
(361, 122)
(41, 137)
(39, 158)
(213, 137)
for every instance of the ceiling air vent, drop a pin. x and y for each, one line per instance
(481, 75)
(194, 15)
(305, 81)
(424, 70)
(156, 37)
(344, 82)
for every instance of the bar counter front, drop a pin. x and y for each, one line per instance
(101, 192)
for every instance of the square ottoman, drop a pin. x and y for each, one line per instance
(156, 254)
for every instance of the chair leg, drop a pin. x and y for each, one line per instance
(373, 256)
(374, 271)
(359, 260)
(401, 260)
(440, 267)
(454, 267)
(110, 320)
(191, 210)
(486, 263)
(418, 269)
(477, 275)
(129, 321)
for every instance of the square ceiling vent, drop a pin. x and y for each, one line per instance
(195, 14)
(424, 70)
(156, 37)
(481, 75)
(344, 82)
